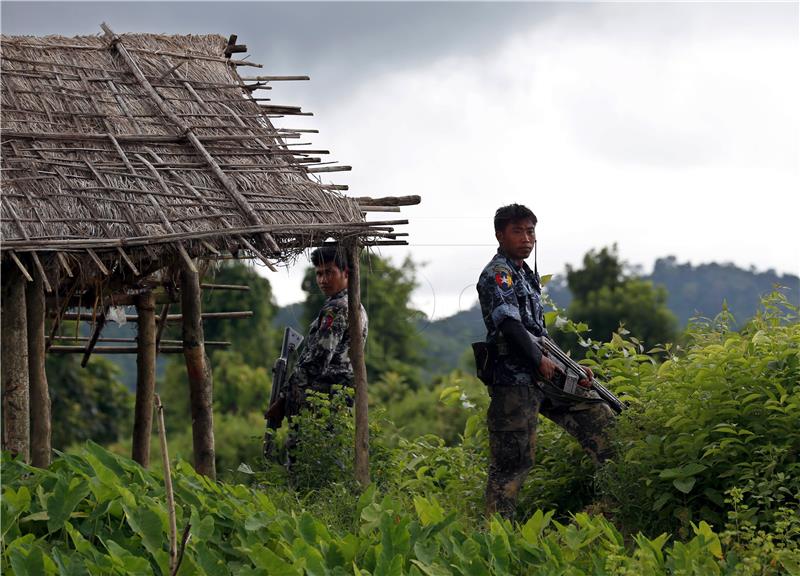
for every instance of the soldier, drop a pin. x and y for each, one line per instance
(509, 294)
(324, 359)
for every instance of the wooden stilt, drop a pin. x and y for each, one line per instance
(39, 391)
(199, 371)
(14, 366)
(145, 378)
(359, 367)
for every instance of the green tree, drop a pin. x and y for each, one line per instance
(241, 372)
(607, 292)
(394, 343)
(87, 403)
(254, 338)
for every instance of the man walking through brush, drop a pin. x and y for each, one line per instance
(509, 294)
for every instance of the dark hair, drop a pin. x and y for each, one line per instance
(327, 254)
(512, 213)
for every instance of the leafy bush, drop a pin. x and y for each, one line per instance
(97, 513)
(722, 414)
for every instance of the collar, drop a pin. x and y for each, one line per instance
(513, 264)
(340, 294)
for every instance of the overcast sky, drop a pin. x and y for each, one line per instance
(668, 128)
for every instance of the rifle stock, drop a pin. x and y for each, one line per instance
(277, 398)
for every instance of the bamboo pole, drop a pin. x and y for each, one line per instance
(359, 366)
(14, 366)
(39, 392)
(199, 372)
(145, 378)
(162, 435)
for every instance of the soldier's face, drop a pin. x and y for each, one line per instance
(517, 239)
(330, 278)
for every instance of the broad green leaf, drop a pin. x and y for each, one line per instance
(532, 529)
(711, 540)
(430, 570)
(212, 563)
(257, 521)
(13, 504)
(684, 485)
(133, 565)
(429, 511)
(147, 524)
(307, 528)
(450, 395)
(66, 496)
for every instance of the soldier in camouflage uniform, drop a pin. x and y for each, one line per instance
(509, 294)
(324, 359)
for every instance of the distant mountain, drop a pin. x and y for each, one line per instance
(290, 316)
(700, 290)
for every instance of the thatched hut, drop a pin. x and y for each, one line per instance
(127, 162)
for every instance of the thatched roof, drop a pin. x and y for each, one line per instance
(142, 148)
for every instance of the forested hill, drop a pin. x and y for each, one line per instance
(692, 291)
(702, 289)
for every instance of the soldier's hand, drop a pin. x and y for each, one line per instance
(586, 382)
(547, 368)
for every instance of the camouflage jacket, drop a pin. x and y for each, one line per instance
(324, 358)
(506, 290)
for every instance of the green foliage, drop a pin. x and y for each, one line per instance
(607, 295)
(442, 408)
(394, 343)
(723, 414)
(97, 513)
(87, 403)
(323, 435)
(254, 338)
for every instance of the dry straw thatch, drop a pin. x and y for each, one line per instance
(138, 150)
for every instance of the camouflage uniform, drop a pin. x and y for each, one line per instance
(324, 359)
(505, 291)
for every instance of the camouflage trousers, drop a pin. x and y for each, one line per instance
(511, 419)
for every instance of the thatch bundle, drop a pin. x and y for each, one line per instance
(98, 173)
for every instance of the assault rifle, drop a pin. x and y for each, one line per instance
(277, 398)
(573, 372)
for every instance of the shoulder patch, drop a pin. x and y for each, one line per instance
(326, 318)
(503, 277)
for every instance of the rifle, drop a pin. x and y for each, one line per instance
(277, 398)
(573, 372)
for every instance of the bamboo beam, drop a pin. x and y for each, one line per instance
(14, 366)
(236, 287)
(359, 367)
(20, 266)
(199, 372)
(208, 343)
(39, 392)
(130, 138)
(379, 208)
(389, 200)
(58, 349)
(273, 78)
(145, 378)
(170, 317)
(44, 244)
(98, 328)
